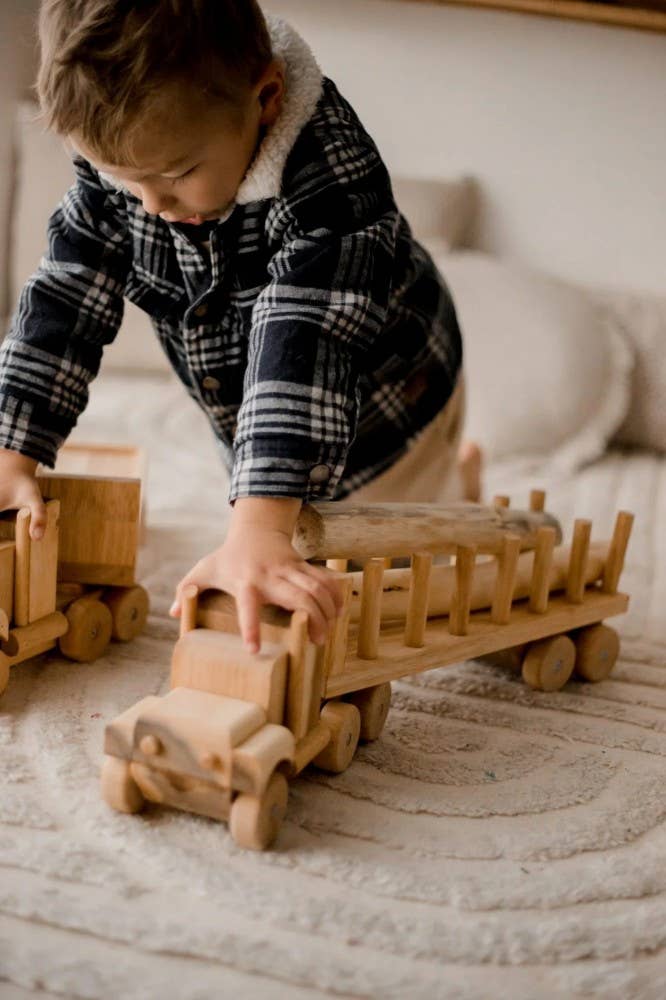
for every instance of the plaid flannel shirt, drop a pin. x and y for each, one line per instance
(316, 335)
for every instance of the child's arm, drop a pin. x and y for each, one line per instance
(258, 565)
(68, 311)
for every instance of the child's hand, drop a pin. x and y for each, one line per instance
(258, 565)
(18, 488)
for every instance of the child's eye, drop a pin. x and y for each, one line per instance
(179, 180)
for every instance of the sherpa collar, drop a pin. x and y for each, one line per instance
(303, 88)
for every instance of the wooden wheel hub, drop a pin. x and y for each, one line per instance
(373, 703)
(129, 609)
(344, 722)
(89, 633)
(119, 789)
(255, 821)
(597, 649)
(548, 664)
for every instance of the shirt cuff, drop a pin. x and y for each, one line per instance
(22, 430)
(278, 476)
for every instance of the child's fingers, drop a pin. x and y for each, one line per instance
(188, 581)
(291, 595)
(248, 603)
(314, 586)
(37, 517)
(330, 581)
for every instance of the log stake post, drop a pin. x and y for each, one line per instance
(337, 565)
(580, 547)
(617, 552)
(507, 567)
(543, 559)
(462, 596)
(419, 593)
(501, 500)
(371, 598)
(336, 647)
(537, 500)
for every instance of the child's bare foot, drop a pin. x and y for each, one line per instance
(469, 469)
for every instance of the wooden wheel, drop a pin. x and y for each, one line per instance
(119, 789)
(89, 632)
(4, 672)
(344, 721)
(255, 820)
(373, 703)
(548, 664)
(129, 610)
(597, 649)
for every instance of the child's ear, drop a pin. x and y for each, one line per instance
(271, 93)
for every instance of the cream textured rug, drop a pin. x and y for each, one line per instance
(494, 842)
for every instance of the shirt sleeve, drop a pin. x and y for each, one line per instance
(68, 310)
(313, 329)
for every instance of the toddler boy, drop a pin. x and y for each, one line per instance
(229, 190)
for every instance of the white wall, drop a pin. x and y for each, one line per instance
(562, 123)
(16, 70)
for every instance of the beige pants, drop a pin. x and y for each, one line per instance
(427, 472)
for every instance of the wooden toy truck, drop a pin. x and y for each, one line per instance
(235, 726)
(75, 587)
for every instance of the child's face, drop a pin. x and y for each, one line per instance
(191, 157)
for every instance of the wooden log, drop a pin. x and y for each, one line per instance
(579, 550)
(347, 530)
(396, 583)
(417, 606)
(501, 500)
(617, 551)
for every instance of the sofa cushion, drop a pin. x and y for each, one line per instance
(548, 373)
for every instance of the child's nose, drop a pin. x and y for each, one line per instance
(154, 202)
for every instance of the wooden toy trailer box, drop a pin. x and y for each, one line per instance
(75, 587)
(235, 726)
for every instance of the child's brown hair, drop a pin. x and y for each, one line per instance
(103, 61)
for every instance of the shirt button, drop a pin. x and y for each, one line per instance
(320, 474)
(210, 382)
(201, 310)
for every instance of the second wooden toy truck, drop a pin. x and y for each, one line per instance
(75, 587)
(235, 726)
